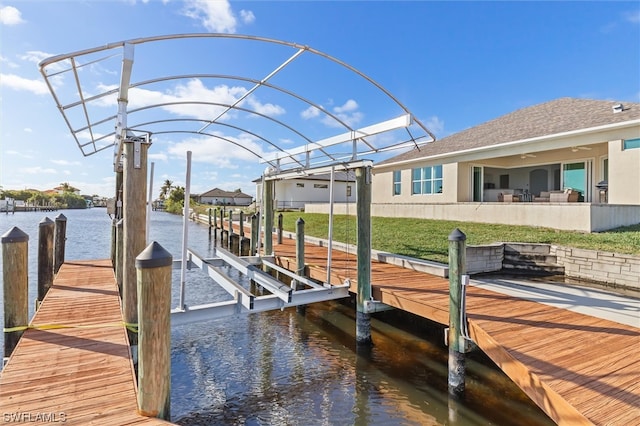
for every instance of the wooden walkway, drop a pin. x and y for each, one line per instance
(577, 368)
(78, 375)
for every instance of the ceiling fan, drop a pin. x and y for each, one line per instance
(579, 148)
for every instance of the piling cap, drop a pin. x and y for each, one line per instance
(61, 218)
(46, 221)
(300, 221)
(14, 235)
(154, 256)
(457, 235)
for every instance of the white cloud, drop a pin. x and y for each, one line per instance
(66, 162)
(18, 153)
(215, 16)
(348, 106)
(9, 15)
(348, 113)
(633, 17)
(310, 112)
(247, 16)
(435, 124)
(266, 109)
(16, 82)
(160, 156)
(218, 152)
(28, 130)
(37, 170)
(8, 62)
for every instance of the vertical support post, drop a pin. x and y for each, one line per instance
(254, 235)
(114, 242)
(185, 233)
(134, 212)
(149, 200)
(119, 253)
(154, 342)
(241, 221)
(46, 230)
(230, 228)
(280, 217)
(119, 191)
(455, 340)
(215, 225)
(268, 217)
(300, 265)
(363, 219)
(15, 249)
(61, 240)
(210, 224)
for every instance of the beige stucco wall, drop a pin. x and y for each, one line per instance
(383, 186)
(624, 177)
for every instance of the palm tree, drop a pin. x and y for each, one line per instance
(165, 188)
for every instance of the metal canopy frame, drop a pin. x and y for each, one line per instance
(311, 152)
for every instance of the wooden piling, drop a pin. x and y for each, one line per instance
(154, 331)
(455, 339)
(254, 234)
(241, 221)
(230, 228)
(134, 215)
(234, 244)
(280, 225)
(210, 223)
(46, 231)
(300, 265)
(363, 219)
(61, 240)
(15, 270)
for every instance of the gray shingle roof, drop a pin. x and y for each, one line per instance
(217, 192)
(557, 116)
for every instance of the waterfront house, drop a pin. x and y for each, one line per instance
(313, 189)
(567, 164)
(219, 197)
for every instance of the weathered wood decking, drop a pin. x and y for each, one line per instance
(577, 368)
(77, 375)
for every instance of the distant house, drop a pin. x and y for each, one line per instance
(62, 189)
(569, 164)
(314, 189)
(219, 197)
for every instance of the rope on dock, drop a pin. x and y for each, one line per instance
(131, 327)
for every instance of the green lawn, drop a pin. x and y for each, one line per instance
(427, 239)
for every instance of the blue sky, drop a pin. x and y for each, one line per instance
(452, 64)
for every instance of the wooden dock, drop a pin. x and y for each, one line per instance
(579, 369)
(75, 368)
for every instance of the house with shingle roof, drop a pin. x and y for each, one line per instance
(569, 164)
(219, 197)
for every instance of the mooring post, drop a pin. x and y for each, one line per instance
(15, 249)
(61, 240)
(268, 217)
(230, 227)
(280, 225)
(222, 231)
(46, 231)
(455, 339)
(119, 253)
(241, 221)
(300, 266)
(134, 235)
(363, 220)
(215, 226)
(254, 234)
(154, 331)
(210, 223)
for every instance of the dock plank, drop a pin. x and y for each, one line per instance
(577, 368)
(83, 372)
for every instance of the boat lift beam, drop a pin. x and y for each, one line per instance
(243, 301)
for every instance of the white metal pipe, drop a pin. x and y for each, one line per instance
(185, 231)
(330, 245)
(150, 200)
(260, 216)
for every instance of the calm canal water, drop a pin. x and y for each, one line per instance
(281, 368)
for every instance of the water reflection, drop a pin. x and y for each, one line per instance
(284, 368)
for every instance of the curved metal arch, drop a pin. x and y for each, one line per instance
(127, 63)
(306, 48)
(241, 129)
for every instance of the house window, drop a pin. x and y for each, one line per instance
(300, 185)
(348, 190)
(321, 185)
(426, 180)
(397, 186)
(631, 143)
